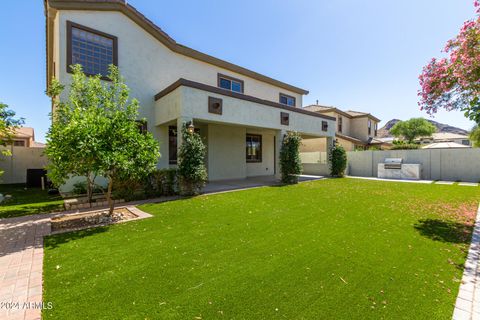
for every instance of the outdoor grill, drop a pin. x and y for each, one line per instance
(393, 163)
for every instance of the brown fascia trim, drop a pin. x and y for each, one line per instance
(160, 35)
(368, 115)
(343, 113)
(241, 96)
(348, 138)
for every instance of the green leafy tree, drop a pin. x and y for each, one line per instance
(475, 136)
(290, 162)
(191, 162)
(99, 121)
(338, 160)
(412, 129)
(73, 138)
(8, 124)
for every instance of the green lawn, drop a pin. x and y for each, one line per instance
(331, 249)
(27, 201)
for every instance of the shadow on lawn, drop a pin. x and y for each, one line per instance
(25, 210)
(444, 231)
(54, 241)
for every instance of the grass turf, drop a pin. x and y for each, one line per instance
(27, 201)
(331, 249)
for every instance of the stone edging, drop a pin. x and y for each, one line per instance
(467, 306)
(139, 213)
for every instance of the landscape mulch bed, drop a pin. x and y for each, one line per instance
(86, 220)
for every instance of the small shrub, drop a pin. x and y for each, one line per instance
(338, 161)
(80, 188)
(128, 189)
(290, 162)
(162, 182)
(192, 173)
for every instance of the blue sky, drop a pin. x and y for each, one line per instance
(361, 55)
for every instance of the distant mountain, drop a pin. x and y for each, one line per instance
(385, 130)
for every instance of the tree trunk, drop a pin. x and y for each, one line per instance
(89, 190)
(109, 196)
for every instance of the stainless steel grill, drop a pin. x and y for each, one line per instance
(393, 163)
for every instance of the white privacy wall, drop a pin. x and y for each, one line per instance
(441, 164)
(22, 158)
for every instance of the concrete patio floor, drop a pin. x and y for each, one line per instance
(250, 182)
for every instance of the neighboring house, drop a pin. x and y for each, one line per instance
(25, 137)
(440, 137)
(242, 115)
(26, 161)
(354, 130)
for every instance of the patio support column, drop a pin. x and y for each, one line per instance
(180, 122)
(329, 145)
(278, 146)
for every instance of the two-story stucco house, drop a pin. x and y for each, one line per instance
(242, 115)
(354, 130)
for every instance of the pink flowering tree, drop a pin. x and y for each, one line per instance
(453, 82)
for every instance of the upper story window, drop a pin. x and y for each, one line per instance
(94, 50)
(19, 143)
(376, 129)
(229, 83)
(287, 100)
(340, 124)
(324, 126)
(369, 127)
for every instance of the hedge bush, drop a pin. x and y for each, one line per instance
(192, 173)
(338, 161)
(405, 146)
(290, 162)
(161, 182)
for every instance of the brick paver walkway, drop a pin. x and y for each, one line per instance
(21, 264)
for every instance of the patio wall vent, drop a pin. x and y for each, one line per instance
(284, 118)
(215, 105)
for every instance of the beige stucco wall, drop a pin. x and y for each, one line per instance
(226, 152)
(313, 145)
(266, 167)
(347, 145)
(147, 65)
(22, 158)
(359, 128)
(186, 102)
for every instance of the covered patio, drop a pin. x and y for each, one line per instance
(243, 134)
(250, 182)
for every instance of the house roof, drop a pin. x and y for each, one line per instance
(448, 135)
(155, 31)
(348, 138)
(446, 145)
(349, 114)
(378, 141)
(24, 132)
